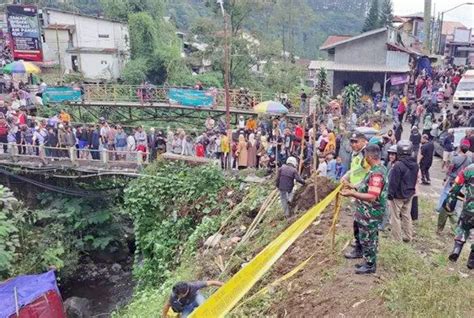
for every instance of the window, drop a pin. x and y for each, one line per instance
(103, 36)
(75, 63)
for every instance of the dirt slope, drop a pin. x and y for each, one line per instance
(327, 287)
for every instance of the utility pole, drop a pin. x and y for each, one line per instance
(427, 26)
(226, 63)
(59, 55)
(226, 77)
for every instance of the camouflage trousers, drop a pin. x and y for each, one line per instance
(463, 230)
(369, 238)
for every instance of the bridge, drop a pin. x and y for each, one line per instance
(129, 103)
(84, 163)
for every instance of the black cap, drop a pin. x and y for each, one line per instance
(358, 136)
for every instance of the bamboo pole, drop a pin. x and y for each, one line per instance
(315, 157)
(302, 146)
(337, 210)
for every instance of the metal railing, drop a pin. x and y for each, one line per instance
(146, 95)
(15, 152)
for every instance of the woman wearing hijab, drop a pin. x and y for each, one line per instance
(252, 152)
(331, 145)
(242, 155)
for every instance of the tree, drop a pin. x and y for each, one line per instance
(352, 94)
(120, 9)
(372, 20)
(289, 18)
(143, 35)
(386, 14)
(322, 89)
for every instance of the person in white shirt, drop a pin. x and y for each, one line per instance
(323, 167)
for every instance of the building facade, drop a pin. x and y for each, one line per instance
(370, 59)
(96, 47)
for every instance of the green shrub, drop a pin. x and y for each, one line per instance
(166, 206)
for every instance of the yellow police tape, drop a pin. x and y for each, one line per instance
(227, 296)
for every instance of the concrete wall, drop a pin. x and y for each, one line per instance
(370, 50)
(90, 33)
(93, 32)
(96, 66)
(50, 45)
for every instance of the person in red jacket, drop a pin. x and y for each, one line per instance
(200, 150)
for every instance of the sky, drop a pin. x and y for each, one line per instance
(464, 14)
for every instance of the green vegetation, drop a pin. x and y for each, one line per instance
(352, 95)
(422, 282)
(58, 232)
(372, 20)
(167, 206)
(322, 89)
(150, 297)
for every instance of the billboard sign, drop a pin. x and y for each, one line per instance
(25, 33)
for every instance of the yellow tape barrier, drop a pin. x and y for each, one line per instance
(227, 296)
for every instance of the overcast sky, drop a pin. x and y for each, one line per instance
(464, 14)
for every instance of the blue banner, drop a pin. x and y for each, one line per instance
(61, 94)
(190, 97)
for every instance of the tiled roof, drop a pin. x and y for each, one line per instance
(332, 39)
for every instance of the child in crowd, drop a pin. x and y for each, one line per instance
(340, 169)
(331, 170)
(323, 166)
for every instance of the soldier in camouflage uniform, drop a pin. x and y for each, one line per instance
(466, 221)
(371, 200)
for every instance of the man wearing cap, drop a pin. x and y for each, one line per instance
(358, 171)
(371, 199)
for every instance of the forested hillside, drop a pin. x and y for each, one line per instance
(301, 26)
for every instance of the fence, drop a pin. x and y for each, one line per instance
(15, 152)
(113, 93)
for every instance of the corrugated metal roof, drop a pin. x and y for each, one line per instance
(316, 65)
(368, 68)
(360, 36)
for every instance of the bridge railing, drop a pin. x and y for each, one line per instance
(15, 152)
(145, 95)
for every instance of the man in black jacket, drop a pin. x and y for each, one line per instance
(415, 139)
(285, 182)
(401, 189)
(426, 159)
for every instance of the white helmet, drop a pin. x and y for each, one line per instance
(292, 161)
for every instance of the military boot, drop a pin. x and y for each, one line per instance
(366, 269)
(453, 257)
(355, 253)
(470, 261)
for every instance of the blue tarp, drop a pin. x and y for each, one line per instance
(424, 63)
(190, 97)
(61, 94)
(28, 289)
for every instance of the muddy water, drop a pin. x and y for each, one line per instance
(106, 286)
